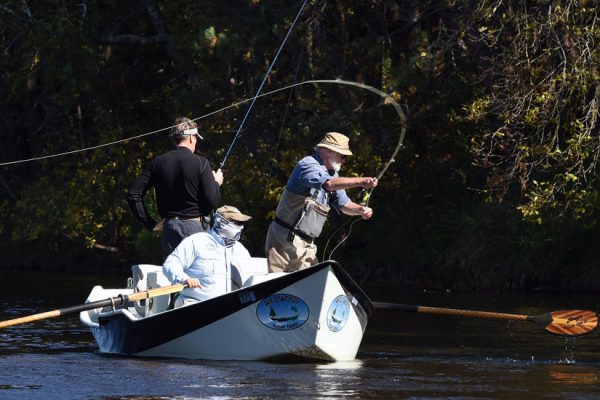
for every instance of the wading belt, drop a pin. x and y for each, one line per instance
(293, 232)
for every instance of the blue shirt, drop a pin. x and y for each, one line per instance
(204, 256)
(311, 173)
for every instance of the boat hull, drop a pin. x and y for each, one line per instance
(316, 313)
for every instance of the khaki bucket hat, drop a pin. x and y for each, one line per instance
(337, 142)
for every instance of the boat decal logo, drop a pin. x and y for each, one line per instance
(282, 312)
(247, 297)
(338, 313)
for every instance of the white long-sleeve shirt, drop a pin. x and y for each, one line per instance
(205, 257)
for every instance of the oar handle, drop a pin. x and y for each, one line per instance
(115, 301)
(30, 318)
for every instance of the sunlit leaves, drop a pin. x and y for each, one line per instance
(541, 69)
(478, 109)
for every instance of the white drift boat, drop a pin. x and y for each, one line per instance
(316, 313)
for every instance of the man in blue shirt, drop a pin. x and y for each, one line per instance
(312, 189)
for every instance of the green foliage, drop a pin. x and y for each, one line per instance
(500, 153)
(533, 128)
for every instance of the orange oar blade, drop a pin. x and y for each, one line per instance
(569, 322)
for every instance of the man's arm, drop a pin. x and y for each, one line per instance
(341, 182)
(178, 261)
(135, 198)
(210, 189)
(356, 209)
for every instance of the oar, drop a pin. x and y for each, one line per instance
(112, 301)
(563, 323)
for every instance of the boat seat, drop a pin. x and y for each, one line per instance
(243, 269)
(146, 277)
(259, 278)
(140, 275)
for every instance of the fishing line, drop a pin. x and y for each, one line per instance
(287, 108)
(353, 220)
(253, 99)
(262, 84)
(365, 194)
(366, 199)
(388, 99)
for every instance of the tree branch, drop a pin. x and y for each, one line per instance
(7, 188)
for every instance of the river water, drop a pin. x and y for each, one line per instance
(403, 355)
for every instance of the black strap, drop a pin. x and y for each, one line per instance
(293, 231)
(283, 223)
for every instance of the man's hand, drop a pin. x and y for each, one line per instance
(218, 174)
(366, 212)
(369, 183)
(193, 283)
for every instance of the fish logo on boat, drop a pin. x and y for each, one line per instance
(338, 313)
(282, 312)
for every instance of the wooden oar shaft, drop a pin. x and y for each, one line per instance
(470, 313)
(449, 311)
(160, 291)
(114, 301)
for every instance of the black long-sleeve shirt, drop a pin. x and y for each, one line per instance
(184, 183)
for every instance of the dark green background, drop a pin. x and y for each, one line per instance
(496, 188)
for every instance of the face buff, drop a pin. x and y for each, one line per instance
(228, 231)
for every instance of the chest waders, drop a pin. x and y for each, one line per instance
(303, 216)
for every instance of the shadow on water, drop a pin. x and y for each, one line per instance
(403, 355)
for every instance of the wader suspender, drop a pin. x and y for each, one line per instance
(311, 204)
(294, 227)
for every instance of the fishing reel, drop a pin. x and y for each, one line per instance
(363, 197)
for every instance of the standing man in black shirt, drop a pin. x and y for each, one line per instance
(187, 190)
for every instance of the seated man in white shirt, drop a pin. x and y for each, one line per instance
(203, 261)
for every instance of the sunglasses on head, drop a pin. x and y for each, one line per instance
(192, 132)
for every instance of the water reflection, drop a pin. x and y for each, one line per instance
(587, 375)
(340, 365)
(338, 379)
